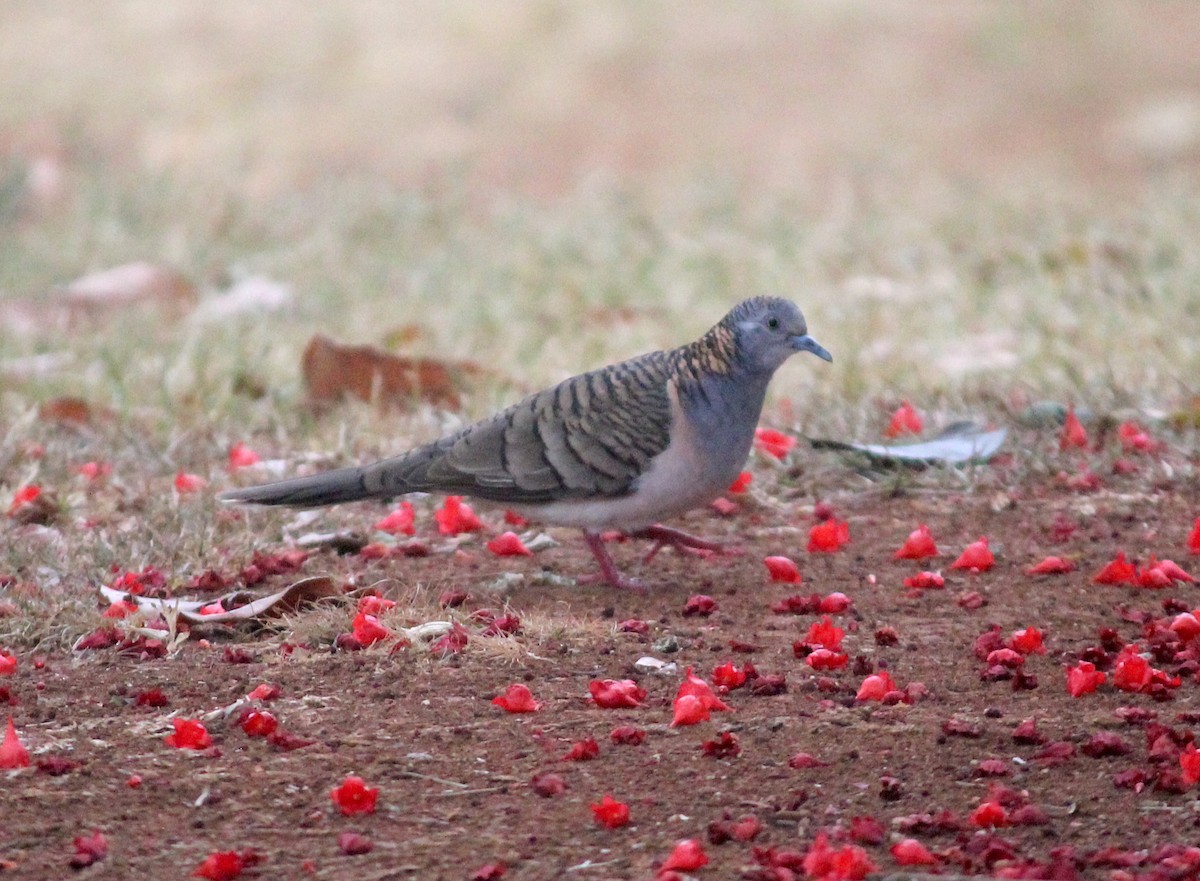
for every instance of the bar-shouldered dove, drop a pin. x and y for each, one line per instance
(619, 448)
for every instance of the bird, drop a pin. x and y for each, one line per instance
(617, 449)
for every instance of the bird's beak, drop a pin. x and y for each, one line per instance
(806, 343)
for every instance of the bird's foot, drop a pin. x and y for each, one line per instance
(608, 574)
(683, 542)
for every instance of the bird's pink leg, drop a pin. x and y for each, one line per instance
(665, 536)
(608, 569)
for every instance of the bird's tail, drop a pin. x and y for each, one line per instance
(327, 488)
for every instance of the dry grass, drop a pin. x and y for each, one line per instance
(976, 206)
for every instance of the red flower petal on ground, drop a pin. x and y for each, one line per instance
(825, 633)
(990, 814)
(1132, 672)
(489, 872)
(451, 643)
(918, 546)
(925, 581)
(517, 698)
(725, 746)
(1189, 764)
(1134, 439)
(742, 482)
(582, 750)
(613, 694)
(1173, 571)
(905, 420)
(508, 544)
(189, 734)
(120, 609)
(696, 687)
(724, 507)
(354, 796)
(687, 856)
(259, 723)
(1073, 433)
(241, 456)
(352, 844)
(803, 761)
(633, 625)
(627, 735)
(13, 753)
(265, 692)
(1051, 566)
(1027, 641)
(89, 849)
(1084, 678)
(689, 710)
(875, 687)
(610, 813)
(826, 659)
(221, 866)
(773, 443)
(1117, 571)
(849, 863)
(24, 496)
(400, 521)
(512, 518)
(8, 664)
(828, 536)
(911, 852)
(455, 517)
(374, 605)
(152, 697)
(1193, 539)
(975, 556)
(699, 604)
(783, 569)
(189, 483)
(1186, 626)
(729, 677)
(368, 631)
(94, 470)
(548, 784)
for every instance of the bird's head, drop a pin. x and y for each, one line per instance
(768, 331)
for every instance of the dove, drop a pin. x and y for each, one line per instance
(620, 448)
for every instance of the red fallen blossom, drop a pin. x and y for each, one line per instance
(1084, 678)
(910, 852)
(1134, 439)
(745, 829)
(352, 844)
(1186, 626)
(741, 647)
(100, 638)
(453, 599)
(1073, 433)
(825, 633)
(1189, 765)
(627, 735)
(354, 796)
(688, 856)
(502, 625)
(120, 609)
(1123, 467)
(783, 569)
(452, 642)
(56, 766)
(1051, 566)
(905, 420)
(614, 694)
(773, 443)
(700, 605)
(1172, 570)
(508, 544)
(189, 483)
(724, 507)
(1055, 753)
(282, 740)
(610, 813)
(989, 815)
(26, 495)
(149, 582)
(214, 608)
(376, 550)
(689, 710)
(633, 625)
(13, 753)
(1132, 672)
(1105, 743)
(399, 522)
(94, 471)
(918, 546)
(1005, 657)
(222, 865)
(729, 677)
(582, 750)
(259, 723)
(512, 518)
(834, 603)
(517, 698)
(959, 728)
(825, 659)
(867, 830)
(804, 761)
(455, 517)
(828, 536)
(976, 556)
(849, 863)
(189, 734)
(991, 768)
(1062, 528)
(489, 872)
(1117, 571)
(875, 687)
(925, 581)
(971, 600)
(368, 631)
(548, 784)
(241, 456)
(265, 692)
(372, 604)
(796, 604)
(887, 636)
(1027, 641)
(694, 686)
(741, 483)
(1153, 578)
(725, 746)
(152, 697)
(768, 685)
(89, 849)
(8, 663)
(1193, 539)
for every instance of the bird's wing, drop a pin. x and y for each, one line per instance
(590, 436)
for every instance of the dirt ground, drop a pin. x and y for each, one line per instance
(454, 771)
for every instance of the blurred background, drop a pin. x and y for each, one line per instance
(960, 194)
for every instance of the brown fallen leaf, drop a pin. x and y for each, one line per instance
(291, 598)
(333, 372)
(69, 410)
(130, 284)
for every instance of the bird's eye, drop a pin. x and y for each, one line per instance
(773, 323)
